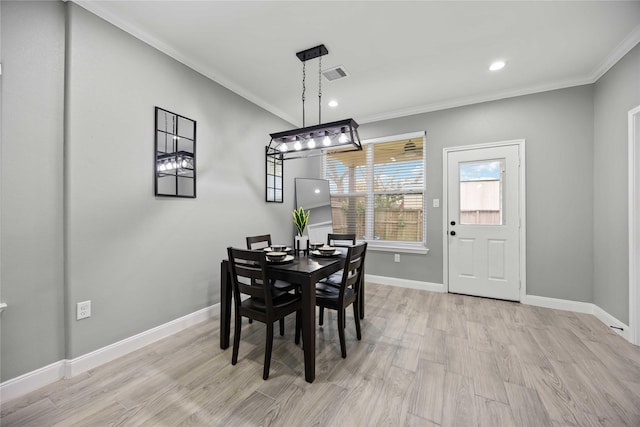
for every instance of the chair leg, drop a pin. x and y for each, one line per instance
(356, 314)
(282, 327)
(321, 322)
(343, 347)
(250, 320)
(344, 313)
(236, 338)
(298, 325)
(267, 351)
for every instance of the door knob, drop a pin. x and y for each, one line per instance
(453, 233)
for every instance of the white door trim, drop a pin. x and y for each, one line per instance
(634, 230)
(523, 212)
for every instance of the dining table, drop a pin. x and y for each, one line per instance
(304, 270)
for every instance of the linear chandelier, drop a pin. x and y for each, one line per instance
(314, 140)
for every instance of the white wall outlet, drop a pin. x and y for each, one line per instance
(83, 310)
(436, 203)
(396, 258)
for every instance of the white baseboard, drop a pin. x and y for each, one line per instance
(581, 307)
(26, 383)
(68, 368)
(609, 320)
(559, 304)
(404, 283)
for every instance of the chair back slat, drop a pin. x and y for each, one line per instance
(341, 239)
(259, 242)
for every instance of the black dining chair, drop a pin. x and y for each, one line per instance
(340, 297)
(249, 276)
(339, 240)
(264, 241)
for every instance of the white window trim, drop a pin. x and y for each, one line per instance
(389, 245)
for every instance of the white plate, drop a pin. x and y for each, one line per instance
(268, 249)
(318, 253)
(286, 259)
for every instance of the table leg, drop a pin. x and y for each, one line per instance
(309, 329)
(361, 301)
(361, 296)
(225, 305)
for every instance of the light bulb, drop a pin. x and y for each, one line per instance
(161, 168)
(343, 138)
(174, 165)
(184, 163)
(326, 141)
(283, 147)
(297, 145)
(311, 143)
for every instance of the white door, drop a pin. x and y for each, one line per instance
(483, 221)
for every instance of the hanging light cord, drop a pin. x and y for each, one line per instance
(304, 75)
(320, 90)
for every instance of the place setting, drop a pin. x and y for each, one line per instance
(279, 257)
(323, 250)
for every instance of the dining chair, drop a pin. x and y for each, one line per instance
(249, 276)
(264, 241)
(336, 239)
(340, 297)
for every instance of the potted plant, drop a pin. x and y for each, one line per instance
(301, 219)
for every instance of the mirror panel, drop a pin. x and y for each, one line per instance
(175, 155)
(313, 194)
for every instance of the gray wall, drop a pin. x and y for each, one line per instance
(558, 129)
(617, 92)
(141, 260)
(31, 261)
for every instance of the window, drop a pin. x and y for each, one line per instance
(481, 192)
(378, 193)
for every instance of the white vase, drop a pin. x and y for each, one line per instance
(302, 243)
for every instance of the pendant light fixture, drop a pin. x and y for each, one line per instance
(309, 141)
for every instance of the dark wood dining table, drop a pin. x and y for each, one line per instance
(305, 271)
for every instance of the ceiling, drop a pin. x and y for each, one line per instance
(402, 57)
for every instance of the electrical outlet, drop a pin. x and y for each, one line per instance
(436, 203)
(396, 258)
(83, 310)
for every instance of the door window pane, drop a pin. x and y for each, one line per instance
(481, 199)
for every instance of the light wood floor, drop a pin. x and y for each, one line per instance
(425, 359)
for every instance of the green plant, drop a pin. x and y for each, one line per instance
(301, 219)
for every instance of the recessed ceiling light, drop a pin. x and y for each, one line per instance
(497, 65)
(333, 103)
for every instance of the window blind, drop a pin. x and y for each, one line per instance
(378, 193)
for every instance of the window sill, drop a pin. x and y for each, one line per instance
(396, 247)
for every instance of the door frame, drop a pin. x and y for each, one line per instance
(520, 143)
(634, 230)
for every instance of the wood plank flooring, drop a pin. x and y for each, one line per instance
(426, 359)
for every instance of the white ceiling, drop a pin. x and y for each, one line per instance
(402, 57)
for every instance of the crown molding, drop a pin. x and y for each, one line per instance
(477, 99)
(621, 50)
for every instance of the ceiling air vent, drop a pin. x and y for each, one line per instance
(335, 73)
